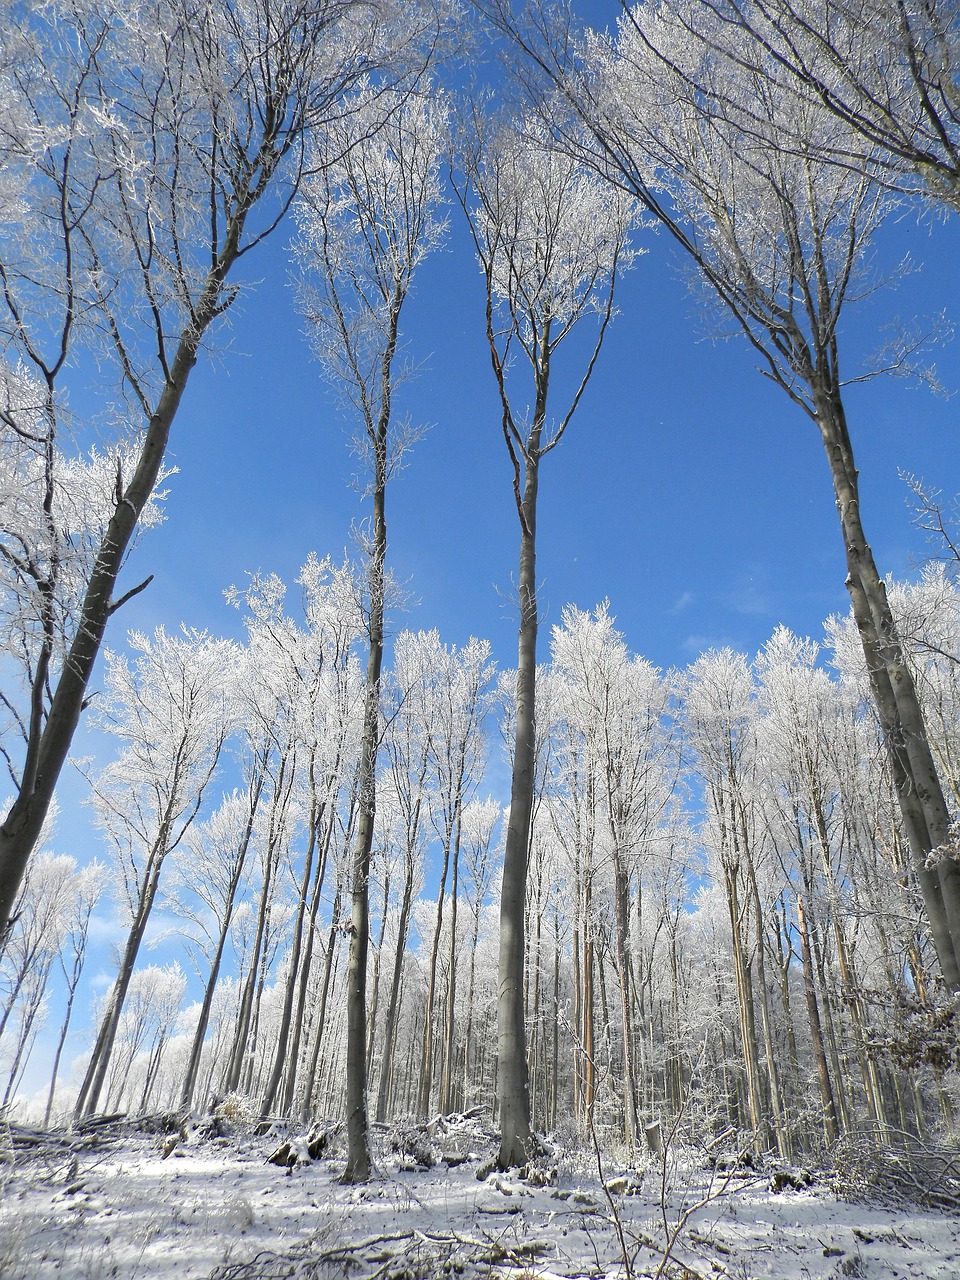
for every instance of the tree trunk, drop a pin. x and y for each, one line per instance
(393, 1004)
(293, 1056)
(447, 1072)
(293, 973)
(830, 1123)
(310, 1096)
(358, 1167)
(426, 1062)
(621, 914)
(50, 737)
(245, 1016)
(199, 1035)
(919, 793)
(784, 1145)
(375, 991)
(748, 1026)
(513, 1086)
(92, 1085)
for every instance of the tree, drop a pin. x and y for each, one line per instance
(366, 223)
(150, 1011)
(89, 887)
(403, 788)
(733, 164)
(41, 925)
(145, 154)
(615, 710)
(214, 860)
(889, 71)
(457, 687)
(324, 683)
(170, 710)
(550, 239)
(479, 821)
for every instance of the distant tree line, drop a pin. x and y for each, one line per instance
(721, 917)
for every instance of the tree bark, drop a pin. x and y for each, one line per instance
(830, 1122)
(513, 1091)
(359, 1166)
(196, 1049)
(919, 793)
(50, 741)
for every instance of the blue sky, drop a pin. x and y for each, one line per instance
(688, 489)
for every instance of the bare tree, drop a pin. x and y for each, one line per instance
(170, 711)
(550, 239)
(404, 786)
(614, 710)
(366, 224)
(89, 887)
(42, 923)
(888, 70)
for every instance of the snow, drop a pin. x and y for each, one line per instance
(136, 1206)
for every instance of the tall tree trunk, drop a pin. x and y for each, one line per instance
(748, 1026)
(587, 1050)
(245, 1017)
(784, 1145)
(447, 1073)
(468, 1076)
(299, 1020)
(830, 1122)
(312, 1091)
(393, 1003)
(375, 992)
(200, 1032)
(90, 1090)
(293, 972)
(50, 734)
(426, 1062)
(358, 1167)
(919, 793)
(621, 919)
(513, 1084)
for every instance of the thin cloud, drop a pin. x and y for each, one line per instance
(682, 602)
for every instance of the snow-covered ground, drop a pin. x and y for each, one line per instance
(130, 1205)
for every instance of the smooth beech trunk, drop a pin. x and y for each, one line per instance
(920, 797)
(549, 240)
(358, 1167)
(514, 1089)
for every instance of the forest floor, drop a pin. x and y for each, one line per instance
(118, 1202)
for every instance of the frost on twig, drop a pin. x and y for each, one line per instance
(900, 1170)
